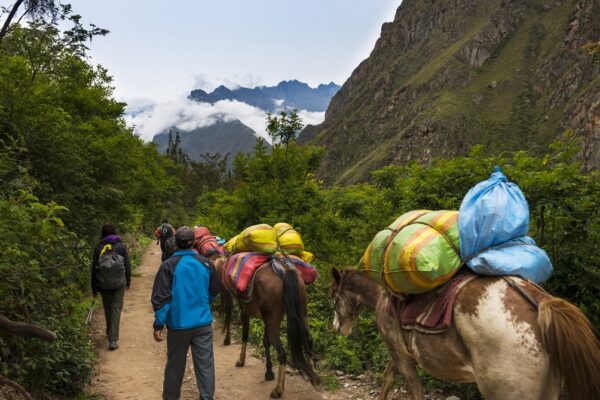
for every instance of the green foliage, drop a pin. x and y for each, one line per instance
(337, 223)
(68, 163)
(284, 129)
(44, 270)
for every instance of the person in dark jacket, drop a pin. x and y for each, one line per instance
(112, 294)
(184, 287)
(164, 235)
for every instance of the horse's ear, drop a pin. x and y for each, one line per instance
(337, 277)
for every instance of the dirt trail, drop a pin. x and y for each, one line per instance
(135, 370)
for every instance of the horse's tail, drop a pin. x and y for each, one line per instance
(226, 303)
(574, 351)
(298, 334)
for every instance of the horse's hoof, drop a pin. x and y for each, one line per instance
(316, 383)
(227, 342)
(269, 376)
(276, 393)
(239, 364)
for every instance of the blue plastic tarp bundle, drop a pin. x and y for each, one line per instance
(493, 224)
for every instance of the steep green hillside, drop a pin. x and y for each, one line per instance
(447, 75)
(223, 137)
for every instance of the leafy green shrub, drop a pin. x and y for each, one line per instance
(337, 224)
(45, 272)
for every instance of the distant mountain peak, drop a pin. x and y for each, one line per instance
(289, 94)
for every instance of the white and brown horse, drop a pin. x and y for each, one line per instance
(498, 339)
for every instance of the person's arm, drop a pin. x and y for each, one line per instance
(161, 295)
(94, 280)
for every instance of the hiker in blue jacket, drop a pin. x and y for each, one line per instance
(184, 287)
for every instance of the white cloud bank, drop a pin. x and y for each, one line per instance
(188, 115)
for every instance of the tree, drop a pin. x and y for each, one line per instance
(45, 10)
(285, 128)
(47, 13)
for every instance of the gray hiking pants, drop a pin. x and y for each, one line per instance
(178, 343)
(112, 301)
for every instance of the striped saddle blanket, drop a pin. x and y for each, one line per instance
(431, 312)
(241, 267)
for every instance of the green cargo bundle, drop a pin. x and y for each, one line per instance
(416, 253)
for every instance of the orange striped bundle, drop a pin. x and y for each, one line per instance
(416, 253)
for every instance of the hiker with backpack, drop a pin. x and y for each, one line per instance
(165, 235)
(184, 287)
(111, 274)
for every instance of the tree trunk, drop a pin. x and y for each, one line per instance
(18, 388)
(25, 330)
(9, 19)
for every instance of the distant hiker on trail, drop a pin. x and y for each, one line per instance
(111, 273)
(184, 287)
(164, 234)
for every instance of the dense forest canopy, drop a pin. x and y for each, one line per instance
(68, 162)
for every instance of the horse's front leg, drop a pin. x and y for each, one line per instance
(245, 332)
(272, 330)
(269, 375)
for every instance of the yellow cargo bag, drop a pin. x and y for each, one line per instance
(289, 239)
(307, 256)
(230, 244)
(257, 238)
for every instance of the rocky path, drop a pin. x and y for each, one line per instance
(135, 370)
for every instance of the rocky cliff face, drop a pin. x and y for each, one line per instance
(446, 75)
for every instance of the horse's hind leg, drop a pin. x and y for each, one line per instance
(408, 368)
(245, 332)
(227, 302)
(272, 330)
(388, 379)
(269, 376)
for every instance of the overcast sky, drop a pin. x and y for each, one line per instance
(160, 50)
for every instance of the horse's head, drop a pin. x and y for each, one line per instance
(346, 300)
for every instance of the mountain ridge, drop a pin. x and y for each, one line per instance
(445, 76)
(291, 94)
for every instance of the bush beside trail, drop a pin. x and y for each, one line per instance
(337, 223)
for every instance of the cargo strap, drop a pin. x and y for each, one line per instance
(522, 292)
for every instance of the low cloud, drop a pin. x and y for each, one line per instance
(188, 115)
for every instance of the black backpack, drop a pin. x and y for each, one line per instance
(168, 247)
(110, 270)
(166, 231)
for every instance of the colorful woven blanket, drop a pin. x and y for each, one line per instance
(205, 242)
(240, 268)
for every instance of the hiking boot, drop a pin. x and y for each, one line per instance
(113, 345)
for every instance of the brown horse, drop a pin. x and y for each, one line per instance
(278, 290)
(497, 340)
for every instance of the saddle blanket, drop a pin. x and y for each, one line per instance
(241, 267)
(431, 312)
